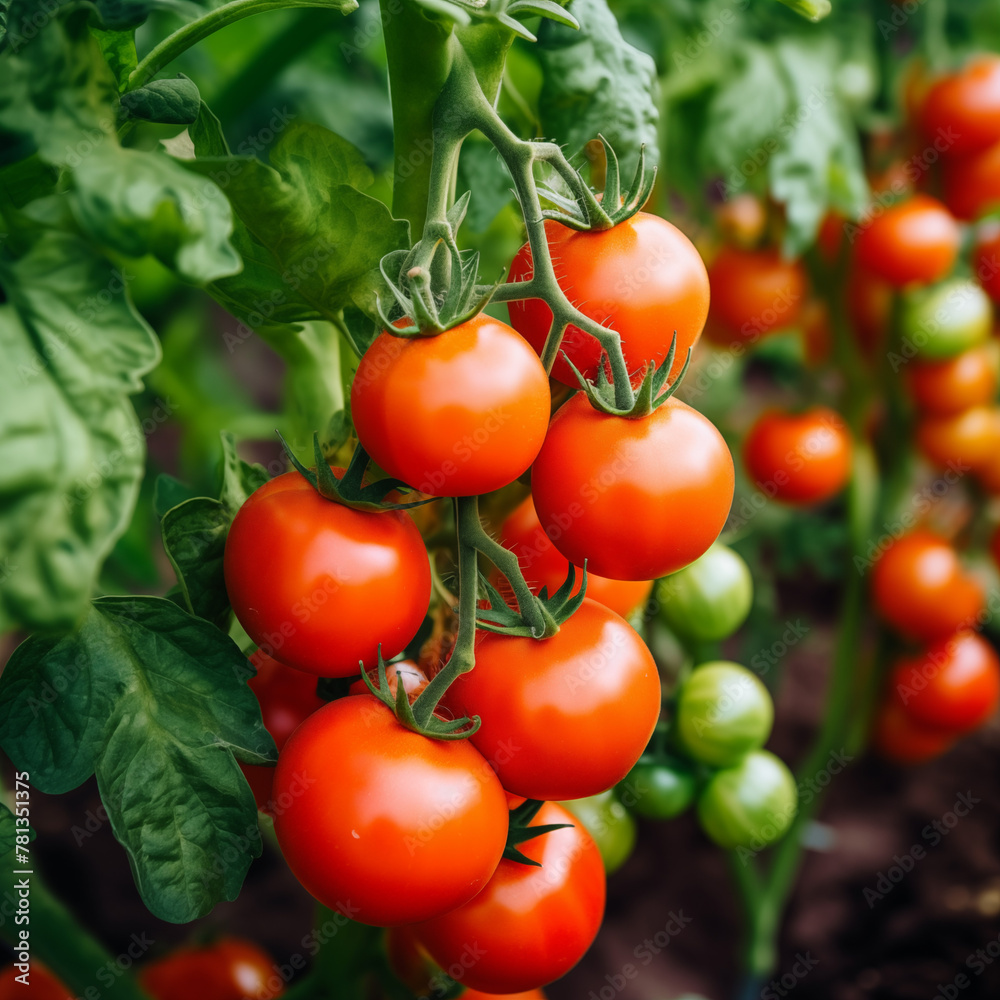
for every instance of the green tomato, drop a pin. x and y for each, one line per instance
(658, 789)
(750, 805)
(946, 319)
(609, 823)
(710, 599)
(723, 712)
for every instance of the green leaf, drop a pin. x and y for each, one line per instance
(543, 8)
(8, 830)
(168, 492)
(118, 48)
(72, 449)
(173, 102)
(154, 702)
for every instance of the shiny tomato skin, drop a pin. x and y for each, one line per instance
(611, 826)
(911, 241)
(972, 183)
(945, 388)
(612, 491)
(228, 969)
(898, 737)
(943, 320)
(986, 259)
(530, 925)
(643, 278)
(457, 414)
(753, 293)
(920, 588)
(397, 826)
(321, 585)
(963, 107)
(970, 438)
(544, 566)
(580, 706)
(802, 458)
(952, 686)
(42, 985)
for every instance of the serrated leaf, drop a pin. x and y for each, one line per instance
(171, 102)
(154, 702)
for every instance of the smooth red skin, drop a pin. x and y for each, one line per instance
(530, 925)
(921, 590)
(373, 816)
(964, 107)
(969, 438)
(946, 388)
(544, 566)
(898, 737)
(801, 458)
(42, 985)
(643, 278)
(971, 184)
(986, 260)
(567, 716)
(230, 969)
(342, 581)
(912, 241)
(458, 414)
(753, 293)
(636, 499)
(963, 683)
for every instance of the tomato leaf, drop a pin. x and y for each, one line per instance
(173, 102)
(154, 702)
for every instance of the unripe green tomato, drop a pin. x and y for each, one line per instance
(750, 805)
(658, 789)
(946, 319)
(723, 712)
(710, 599)
(609, 823)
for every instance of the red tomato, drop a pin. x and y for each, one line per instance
(911, 241)
(898, 737)
(613, 491)
(42, 985)
(954, 685)
(962, 109)
(530, 924)
(229, 969)
(986, 259)
(946, 388)
(643, 278)
(322, 585)
(800, 458)
(753, 293)
(544, 566)
(921, 590)
(972, 183)
(458, 414)
(965, 440)
(414, 679)
(384, 824)
(564, 717)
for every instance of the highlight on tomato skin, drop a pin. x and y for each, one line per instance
(227, 969)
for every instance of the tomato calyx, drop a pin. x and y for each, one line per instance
(554, 609)
(519, 830)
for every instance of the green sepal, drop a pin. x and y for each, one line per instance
(519, 831)
(504, 620)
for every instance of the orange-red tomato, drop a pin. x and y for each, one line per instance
(920, 588)
(897, 736)
(800, 458)
(963, 108)
(229, 969)
(915, 240)
(944, 388)
(965, 440)
(42, 984)
(390, 824)
(972, 183)
(986, 259)
(753, 293)
(643, 278)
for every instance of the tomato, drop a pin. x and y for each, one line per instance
(921, 590)
(946, 388)
(563, 717)
(612, 491)
(42, 984)
(749, 805)
(530, 924)
(229, 969)
(321, 585)
(374, 816)
(414, 679)
(898, 737)
(986, 259)
(753, 293)
(544, 566)
(800, 458)
(911, 241)
(953, 685)
(709, 599)
(742, 220)
(972, 183)
(658, 789)
(723, 712)
(946, 319)
(966, 440)
(458, 414)
(869, 305)
(817, 332)
(643, 278)
(963, 108)
(611, 826)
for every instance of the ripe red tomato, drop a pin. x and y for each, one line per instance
(753, 293)
(612, 491)
(563, 717)
(972, 183)
(458, 414)
(986, 259)
(921, 590)
(912, 241)
(965, 440)
(385, 824)
(544, 566)
(946, 388)
(530, 925)
(42, 984)
(963, 108)
(800, 458)
(898, 737)
(954, 685)
(321, 585)
(229, 969)
(643, 278)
